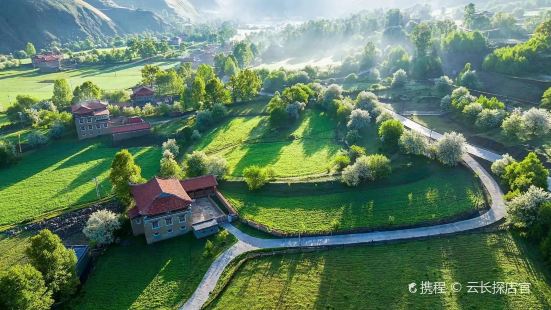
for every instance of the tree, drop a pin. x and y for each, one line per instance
(243, 53)
(523, 210)
(245, 86)
(255, 177)
(30, 50)
(168, 83)
(332, 92)
(23, 287)
(357, 173)
(369, 56)
(297, 92)
(149, 74)
(169, 168)
(57, 264)
(356, 152)
(101, 227)
(379, 165)
(414, 143)
(205, 72)
(196, 164)
(468, 78)
(359, 119)
(390, 131)
(443, 85)
(124, 171)
(172, 146)
(451, 148)
(277, 110)
(116, 96)
(8, 154)
(217, 166)
(537, 122)
(198, 92)
(498, 167)
(399, 78)
(367, 101)
(421, 37)
(546, 99)
(86, 91)
(62, 94)
(215, 92)
(528, 172)
(513, 125)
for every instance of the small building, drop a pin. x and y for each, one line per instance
(47, 62)
(132, 127)
(83, 259)
(164, 208)
(91, 119)
(142, 95)
(205, 229)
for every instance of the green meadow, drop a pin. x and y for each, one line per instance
(61, 175)
(378, 276)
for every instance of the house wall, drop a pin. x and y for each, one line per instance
(165, 231)
(87, 126)
(137, 225)
(131, 134)
(206, 232)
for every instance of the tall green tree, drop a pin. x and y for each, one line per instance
(86, 91)
(149, 74)
(169, 167)
(30, 49)
(198, 92)
(243, 54)
(168, 83)
(57, 264)
(245, 86)
(23, 287)
(62, 94)
(421, 37)
(530, 171)
(124, 171)
(205, 72)
(215, 92)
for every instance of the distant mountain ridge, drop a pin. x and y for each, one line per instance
(42, 21)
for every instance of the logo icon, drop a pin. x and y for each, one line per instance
(412, 287)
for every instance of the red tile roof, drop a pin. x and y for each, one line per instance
(143, 91)
(93, 107)
(194, 184)
(159, 196)
(47, 58)
(131, 127)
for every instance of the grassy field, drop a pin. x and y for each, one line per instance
(134, 275)
(305, 149)
(377, 277)
(419, 191)
(28, 81)
(61, 175)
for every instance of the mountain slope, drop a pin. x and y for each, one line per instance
(172, 9)
(42, 21)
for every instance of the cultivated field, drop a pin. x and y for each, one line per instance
(61, 175)
(305, 149)
(157, 276)
(377, 277)
(28, 81)
(419, 191)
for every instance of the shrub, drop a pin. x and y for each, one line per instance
(526, 173)
(196, 164)
(294, 109)
(384, 116)
(472, 110)
(399, 78)
(352, 136)
(219, 111)
(23, 287)
(490, 118)
(8, 155)
(379, 165)
(390, 131)
(36, 138)
(341, 161)
(443, 85)
(359, 119)
(204, 119)
(196, 135)
(354, 174)
(255, 177)
(450, 148)
(413, 143)
(537, 122)
(523, 210)
(217, 166)
(355, 152)
(513, 125)
(171, 146)
(56, 131)
(446, 103)
(332, 92)
(101, 226)
(498, 167)
(367, 101)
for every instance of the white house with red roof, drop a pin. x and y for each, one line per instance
(166, 208)
(142, 95)
(47, 62)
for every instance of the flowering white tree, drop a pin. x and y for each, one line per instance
(399, 78)
(498, 167)
(354, 174)
(413, 143)
(367, 101)
(101, 226)
(523, 209)
(217, 166)
(513, 125)
(537, 122)
(450, 148)
(359, 119)
(171, 146)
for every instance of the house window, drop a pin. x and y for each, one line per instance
(98, 126)
(89, 119)
(105, 125)
(168, 221)
(157, 234)
(183, 228)
(169, 231)
(82, 127)
(155, 224)
(182, 218)
(90, 127)
(81, 120)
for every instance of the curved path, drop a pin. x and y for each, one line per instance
(248, 243)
